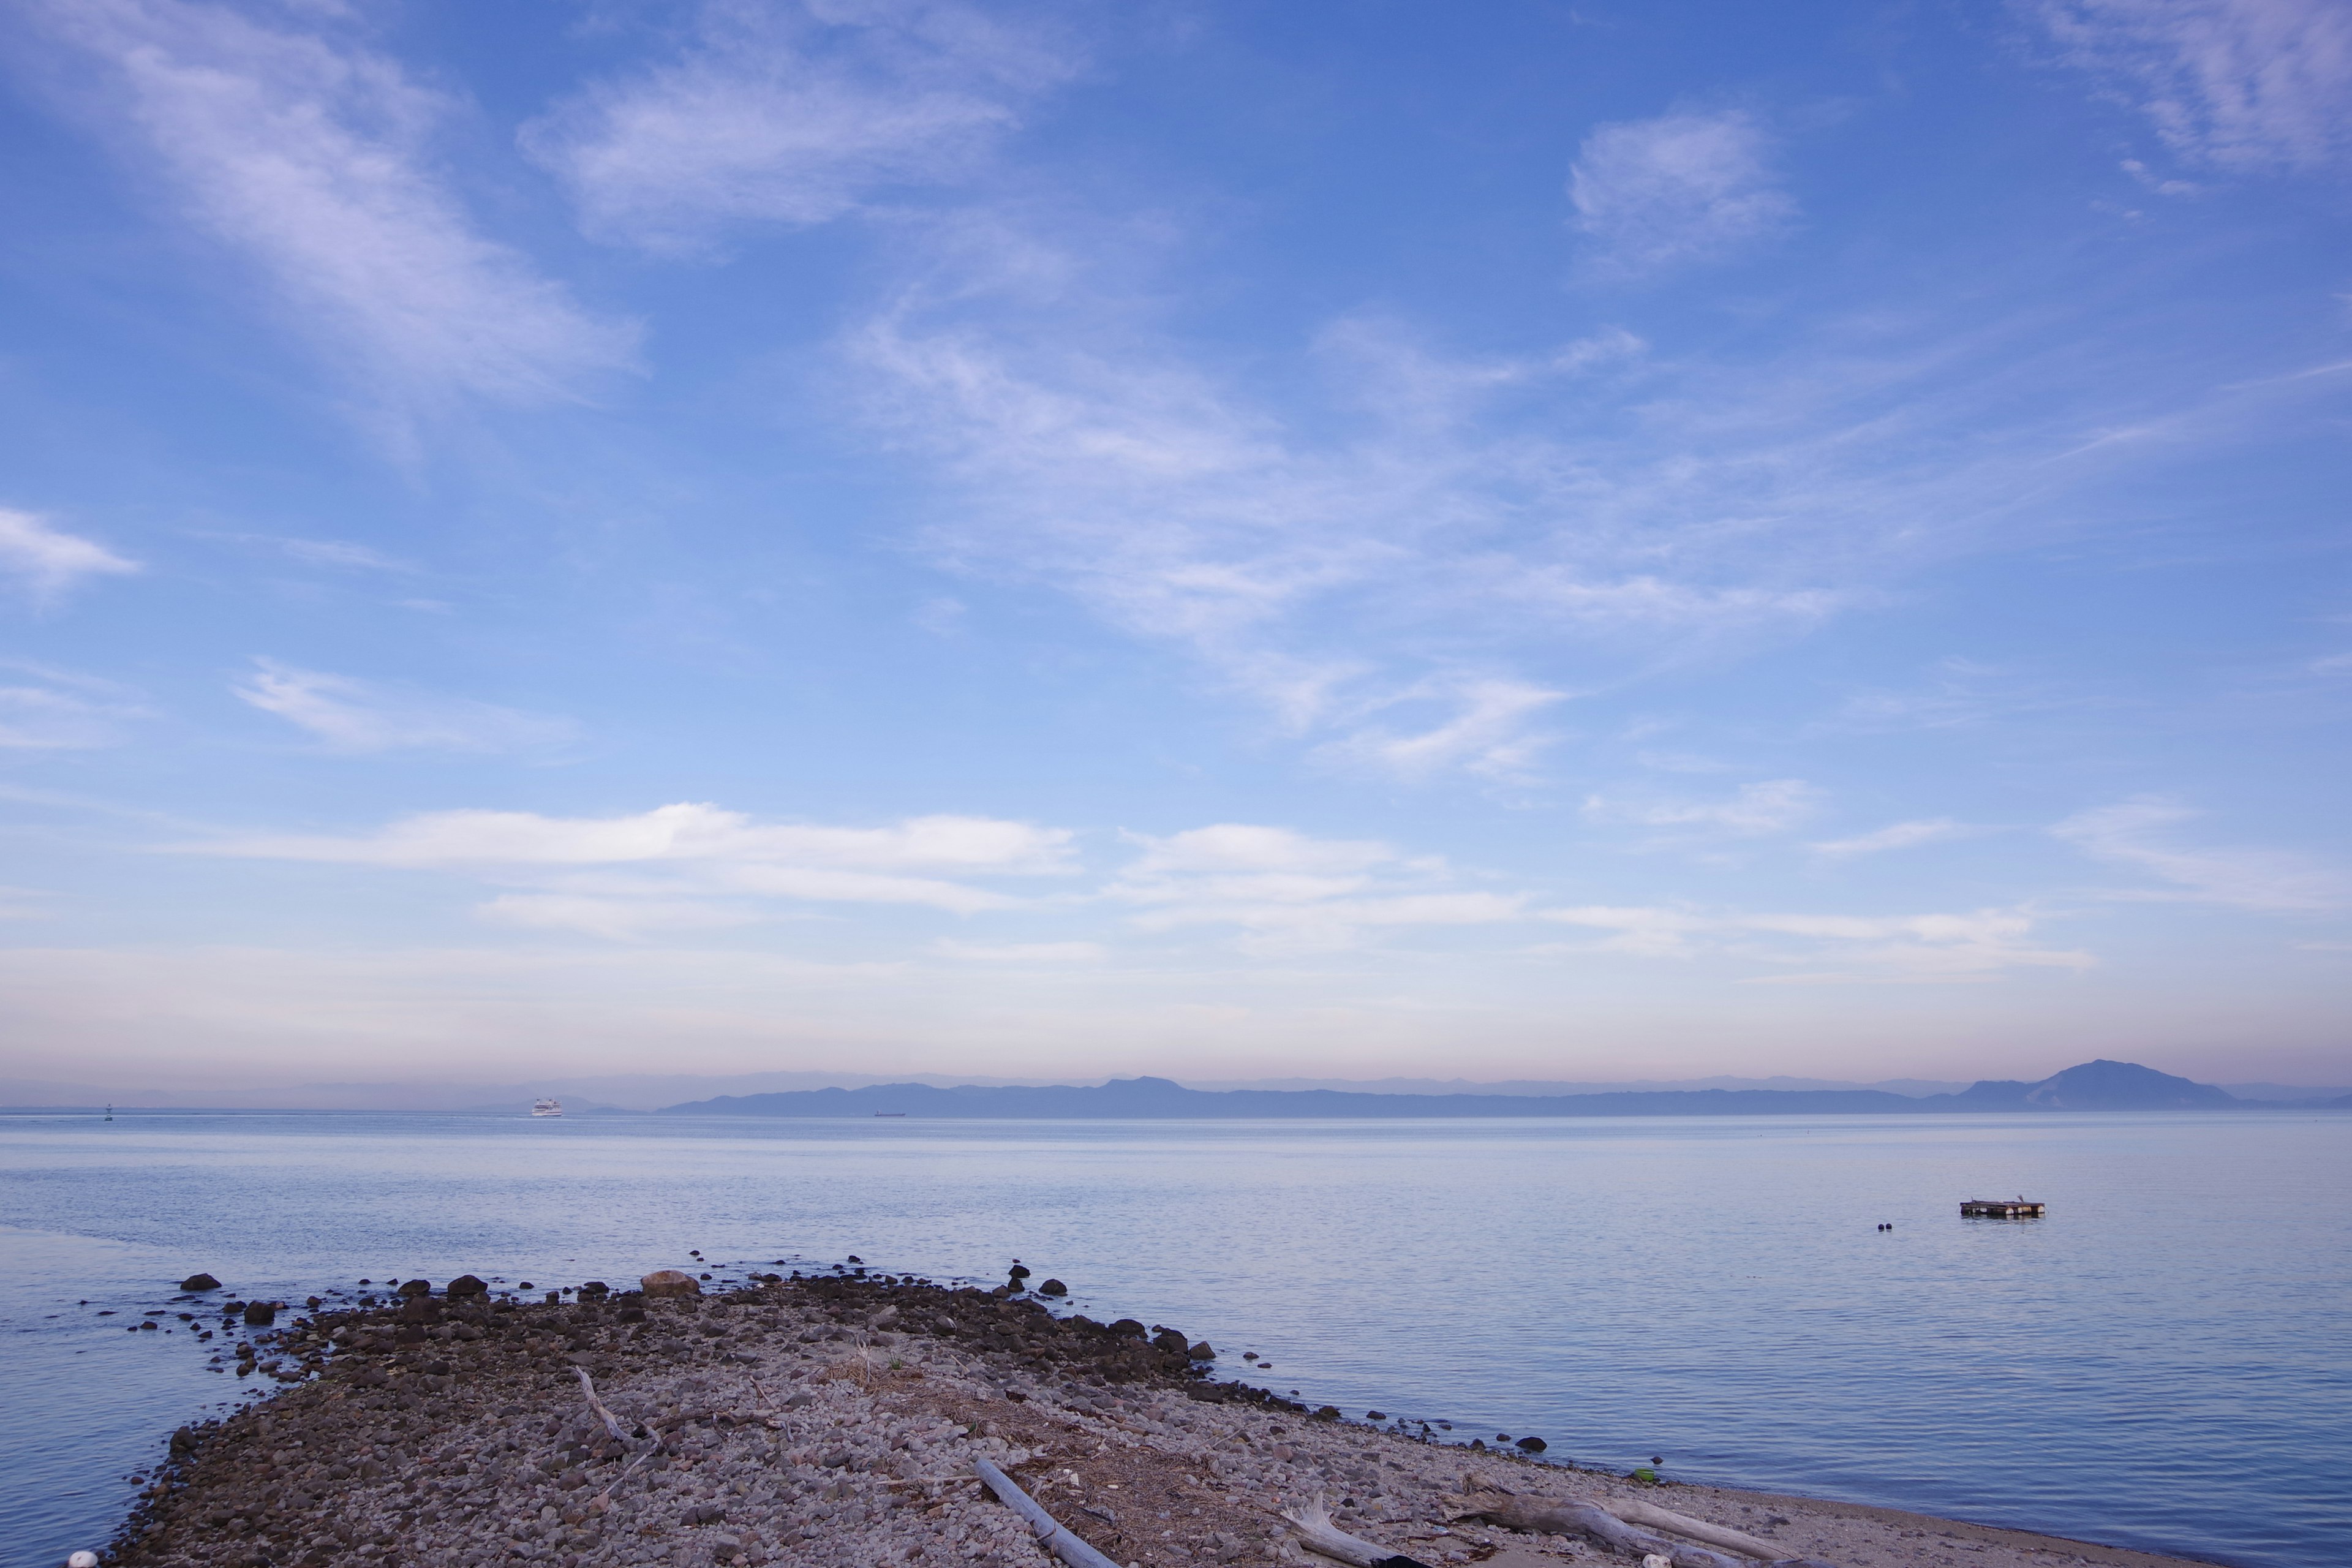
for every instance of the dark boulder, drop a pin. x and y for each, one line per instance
(1327, 1413)
(1173, 1341)
(416, 1288)
(200, 1282)
(1203, 1351)
(466, 1284)
(1128, 1328)
(1052, 1288)
(1532, 1445)
(260, 1314)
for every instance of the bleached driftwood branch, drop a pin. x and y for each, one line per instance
(1570, 1518)
(1317, 1533)
(1634, 1510)
(620, 1434)
(1050, 1535)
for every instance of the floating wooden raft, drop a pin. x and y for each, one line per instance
(2000, 1208)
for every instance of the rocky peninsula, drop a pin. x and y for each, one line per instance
(836, 1420)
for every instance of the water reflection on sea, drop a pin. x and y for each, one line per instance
(2165, 1361)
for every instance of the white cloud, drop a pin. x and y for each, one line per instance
(312, 155)
(616, 919)
(1754, 811)
(62, 710)
(48, 561)
(1312, 571)
(1972, 946)
(2252, 84)
(1287, 892)
(1239, 846)
(687, 866)
(794, 113)
(357, 717)
(1679, 188)
(2137, 832)
(683, 833)
(1484, 731)
(40, 719)
(340, 554)
(1022, 952)
(1894, 835)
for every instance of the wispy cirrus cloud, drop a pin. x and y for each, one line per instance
(1288, 892)
(290, 141)
(46, 560)
(796, 114)
(1686, 187)
(359, 716)
(1311, 572)
(1977, 945)
(1754, 811)
(1896, 836)
(688, 866)
(2141, 833)
(53, 709)
(335, 555)
(2245, 84)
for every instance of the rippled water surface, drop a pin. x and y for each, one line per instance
(2164, 1361)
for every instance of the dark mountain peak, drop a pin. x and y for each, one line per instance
(2104, 1085)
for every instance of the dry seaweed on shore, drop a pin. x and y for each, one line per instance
(835, 1421)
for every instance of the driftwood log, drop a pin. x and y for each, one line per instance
(1053, 1537)
(613, 1427)
(1570, 1518)
(1319, 1534)
(1634, 1510)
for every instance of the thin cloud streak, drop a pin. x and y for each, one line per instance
(47, 560)
(2139, 833)
(309, 153)
(795, 114)
(2253, 84)
(358, 717)
(1874, 949)
(1894, 835)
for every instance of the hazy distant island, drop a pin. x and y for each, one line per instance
(2091, 1086)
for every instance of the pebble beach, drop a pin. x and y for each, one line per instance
(838, 1420)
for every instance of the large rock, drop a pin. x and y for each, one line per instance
(670, 1282)
(416, 1288)
(466, 1284)
(1052, 1288)
(200, 1282)
(260, 1314)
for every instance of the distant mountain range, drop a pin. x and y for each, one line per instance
(2092, 1086)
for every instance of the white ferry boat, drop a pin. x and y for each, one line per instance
(547, 1107)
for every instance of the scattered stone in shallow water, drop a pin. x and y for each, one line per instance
(1052, 1288)
(200, 1282)
(664, 1284)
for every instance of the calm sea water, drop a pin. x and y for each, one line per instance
(2164, 1362)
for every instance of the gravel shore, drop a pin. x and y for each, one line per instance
(834, 1421)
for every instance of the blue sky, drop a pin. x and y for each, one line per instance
(1534, 541)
